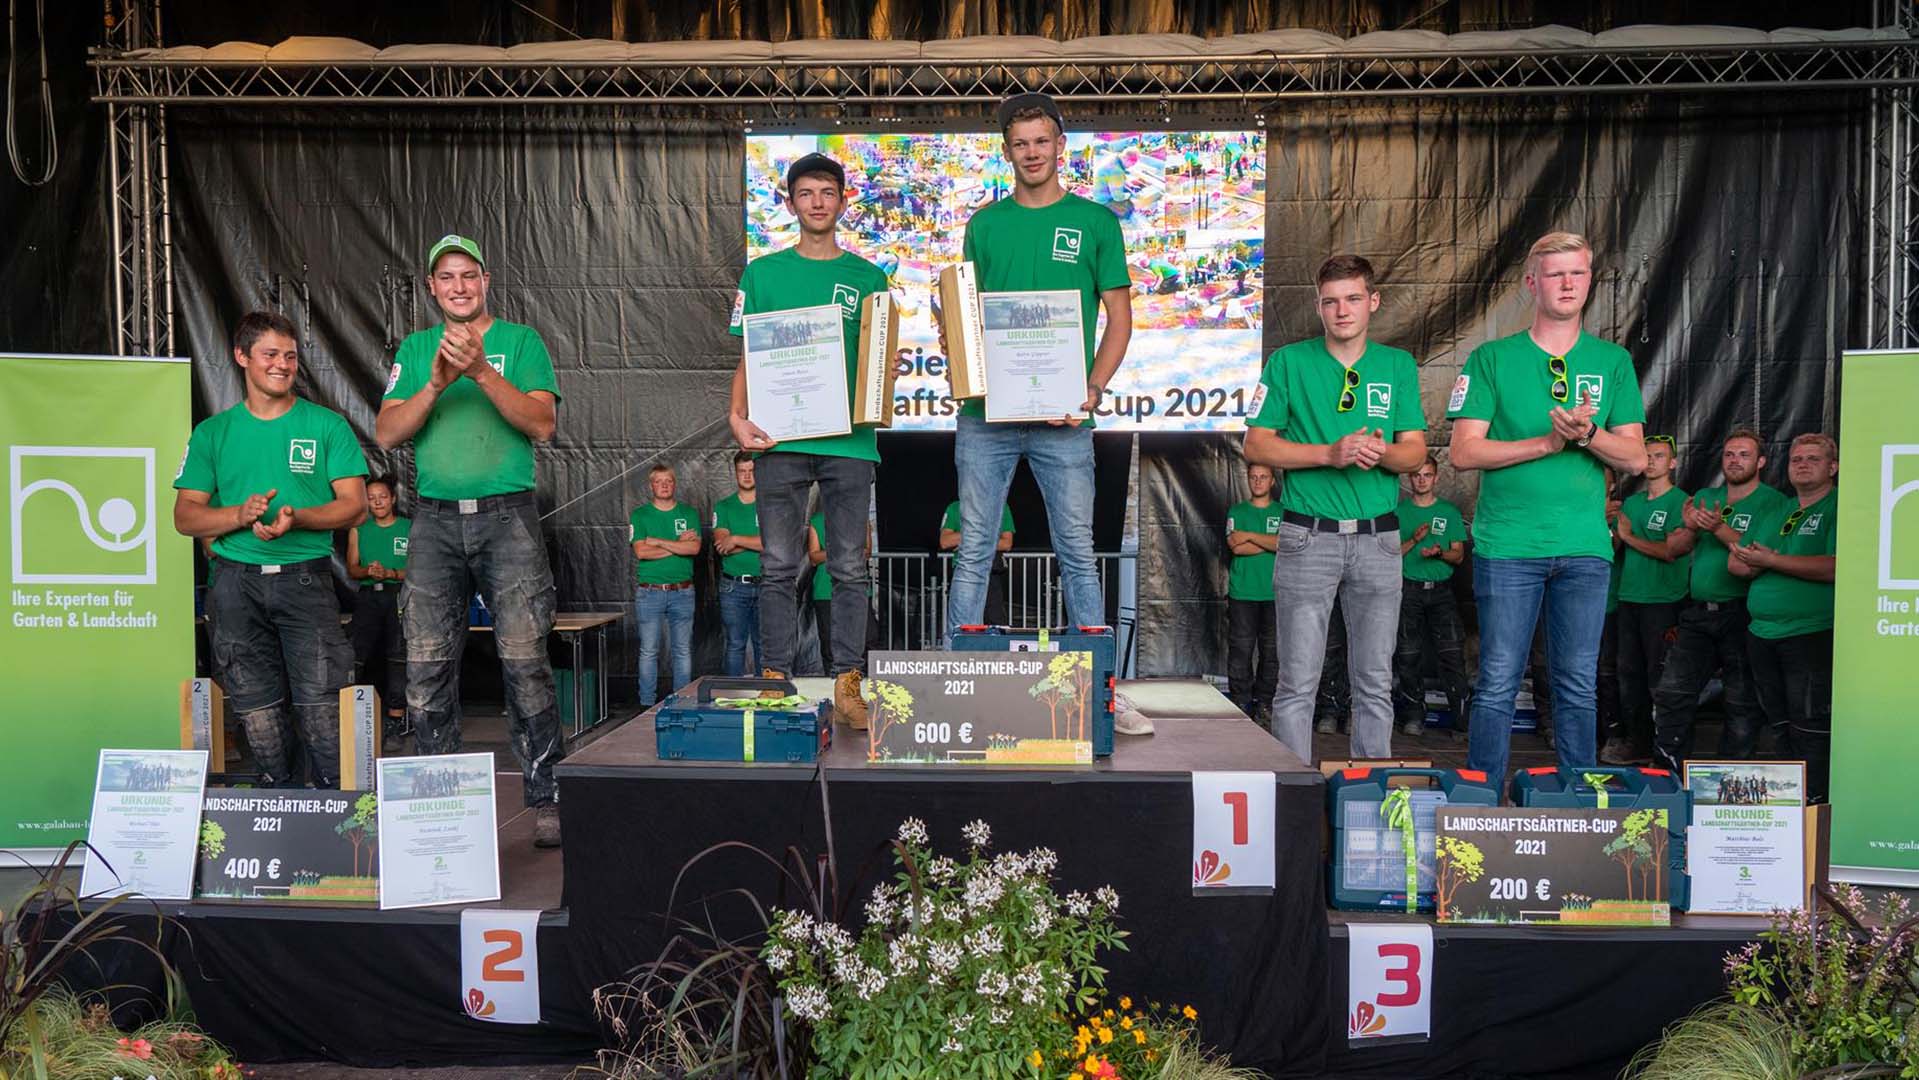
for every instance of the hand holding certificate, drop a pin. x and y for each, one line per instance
(796, 373)
(1035, 356)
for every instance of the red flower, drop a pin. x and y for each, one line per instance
(139, 1048)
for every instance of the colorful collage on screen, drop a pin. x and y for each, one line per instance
(1192, 207)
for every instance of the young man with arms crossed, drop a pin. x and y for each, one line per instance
(665, 534)
(1712, 629)
(1041, 239)
(736, 537)
(474, 394)
(268, 481)
(1252, 656)
(995, 613)
(811, 273)
(1341, 414)
(1788, 555)
(1652, 588)
(1542, 412)
(376, 554)
(1432, 544)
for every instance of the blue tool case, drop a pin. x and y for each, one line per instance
(1368, 870)
(1626, 788)
(692, 727)
(1098, 640)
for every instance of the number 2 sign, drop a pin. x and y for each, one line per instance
(500, 965)
(1389, 968)
(1233, 829)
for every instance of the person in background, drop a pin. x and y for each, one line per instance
(996, 613)
(1712, 628)
(665, 534)
(1432, 545)
(736, 538)
(1788, 556)
(1653, 568)
(1252, 653)
(376, 558)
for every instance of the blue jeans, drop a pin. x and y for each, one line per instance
(740, 615)
(1509, 592)
(784, 480)
(1062, 461)
(674, 609)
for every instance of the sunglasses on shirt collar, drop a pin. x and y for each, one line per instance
(1348, 399)
(1556, 366)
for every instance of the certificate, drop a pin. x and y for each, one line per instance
(1035, 355)
(796, 373)
(1747, 859)
(145, 828)
(438, 838)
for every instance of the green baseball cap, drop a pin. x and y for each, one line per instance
(453, 242)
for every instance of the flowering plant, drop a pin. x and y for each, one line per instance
(1131, 1042)
(962, 970)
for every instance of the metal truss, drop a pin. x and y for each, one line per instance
(1892, 238)
(784, 88)
(140, 224)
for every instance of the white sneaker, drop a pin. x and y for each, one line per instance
(1127, 719)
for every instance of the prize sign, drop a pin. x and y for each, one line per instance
(1233, 827)
(313, 846)
(1389, 979)
(1571, 867)
(976, 708)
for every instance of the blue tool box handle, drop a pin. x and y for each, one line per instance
(732, 686)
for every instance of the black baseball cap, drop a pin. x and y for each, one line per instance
(1021, 102)
(812, 163)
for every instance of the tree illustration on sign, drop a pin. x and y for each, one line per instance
(1052, 693)
(1650, 825)
(1630, 848)
(213, 839)
(363, 827)
(894, 704)
(1460, 863)
(1073, 671)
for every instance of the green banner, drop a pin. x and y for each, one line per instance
(1875, 640)
(98, 632)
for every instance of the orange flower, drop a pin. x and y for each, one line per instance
(139, 1048)
(1125, 1003)
(1188, 1012)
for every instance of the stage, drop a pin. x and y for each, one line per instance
(1266, 972)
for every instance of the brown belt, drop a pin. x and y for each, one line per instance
(668, 588)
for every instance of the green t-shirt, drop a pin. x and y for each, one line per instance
(384, 544)
(952, 518)
(466, 449)
(1447, 526)
(649, 522)
(1782, 605)
(234, 455)
(740, 519)
(1299, 396)
(1554, 506)
(822, 580)
(785, 280)
(1711, 581)
(1251, 576)
(1074, 244)
(1642, 578)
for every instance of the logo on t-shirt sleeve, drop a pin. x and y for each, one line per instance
(1066, 244)
(1458, 399)
(1259, 399)
(392, 377)
(739, 308)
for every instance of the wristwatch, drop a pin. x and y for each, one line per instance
(1587, 439)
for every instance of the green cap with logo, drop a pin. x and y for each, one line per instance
(453, 242)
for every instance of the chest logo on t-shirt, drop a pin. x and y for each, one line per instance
(302, 455)
(1656, 520)
(1379, 400)
(1811, 525)
(399, 545)
(497, 361)
(1066, 244)
(1439, 525)
(680, 526)
(1741, 522)
(1590, 388)
(848, 298)
(1272, 524)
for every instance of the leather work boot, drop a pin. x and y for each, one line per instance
(769, 673)
(847, 703)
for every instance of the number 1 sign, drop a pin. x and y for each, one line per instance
(1389, 969)
(1233, 830)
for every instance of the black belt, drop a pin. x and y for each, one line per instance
(744, 579)
(376, 586)
(1424, 586)
(1722, 605)
(277, 568)
(1386, 522)
(482, 505)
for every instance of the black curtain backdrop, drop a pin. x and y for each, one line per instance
(1727, 234)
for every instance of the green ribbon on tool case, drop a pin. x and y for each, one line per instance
(1397, 812)
(1599, 780)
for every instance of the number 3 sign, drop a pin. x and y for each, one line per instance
(1233, 830)
(1389, 968)
(500, 965)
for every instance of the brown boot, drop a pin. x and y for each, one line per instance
(769, 673)
(847, 703)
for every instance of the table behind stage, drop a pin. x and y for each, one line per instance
(1256, 967)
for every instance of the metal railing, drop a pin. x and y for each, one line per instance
(913, 588)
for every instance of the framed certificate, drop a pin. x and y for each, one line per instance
(796, 373)
(1035, 355)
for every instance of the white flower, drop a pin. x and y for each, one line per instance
(942, 869)
(1077, 905)
(1107, 896)
(1042, 921)
(879, 910)
(809, 1003)
(778, 957)
(833, 939)
(982, 891)
(998, 1015)
(793, 927)
(944, 956)
(899, 954)
(1042, 860)
(913, 831)
(985, 941)
(870, 983)
(992, 984)
(962, 1022)
(977, 833)
(951, 1046)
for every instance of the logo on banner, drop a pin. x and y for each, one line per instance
(500, 965)
(302, 454)
(1066, 241)
(1898, 462)
(1379, 399)
(1589, 387)
(82, 515)
(848, 298)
